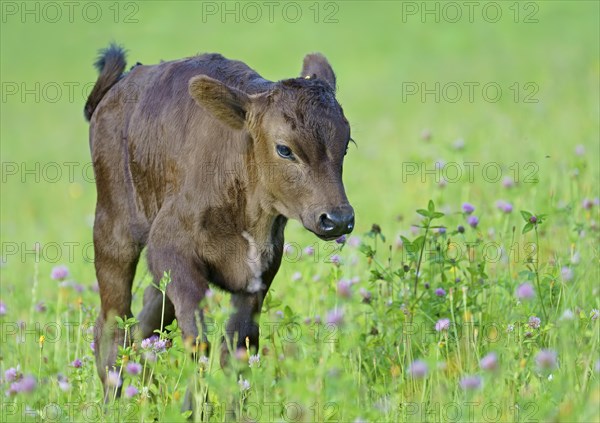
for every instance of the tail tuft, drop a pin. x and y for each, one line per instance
(110, 64)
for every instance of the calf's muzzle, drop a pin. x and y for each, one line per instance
(336, 222)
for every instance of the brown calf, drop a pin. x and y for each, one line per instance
(203, 161)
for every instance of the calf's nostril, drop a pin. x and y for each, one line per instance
(350, 224)
(327, 224)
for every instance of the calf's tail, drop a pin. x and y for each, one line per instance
(111, 64)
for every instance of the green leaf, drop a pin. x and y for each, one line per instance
(422, 212)
(410, 246)
(405, 241)
(526, 215)
(367, 250)
(376, 275)
(431, 206)
(271, 301)
(288, 313)
(419, 242)
(164, 281)
(437, 215)
(528, 227)
(172, 327)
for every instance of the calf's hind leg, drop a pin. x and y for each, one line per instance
(116, 258)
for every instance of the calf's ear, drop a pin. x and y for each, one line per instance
(227, 104)
(316, 66)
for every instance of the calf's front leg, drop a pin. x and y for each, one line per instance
(185, 292)
(243, 323)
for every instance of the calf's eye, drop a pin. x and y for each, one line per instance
(284, 151)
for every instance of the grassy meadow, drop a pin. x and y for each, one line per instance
(469, 289)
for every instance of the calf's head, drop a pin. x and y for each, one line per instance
(297, 139)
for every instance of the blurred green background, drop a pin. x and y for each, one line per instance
(377, 48)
